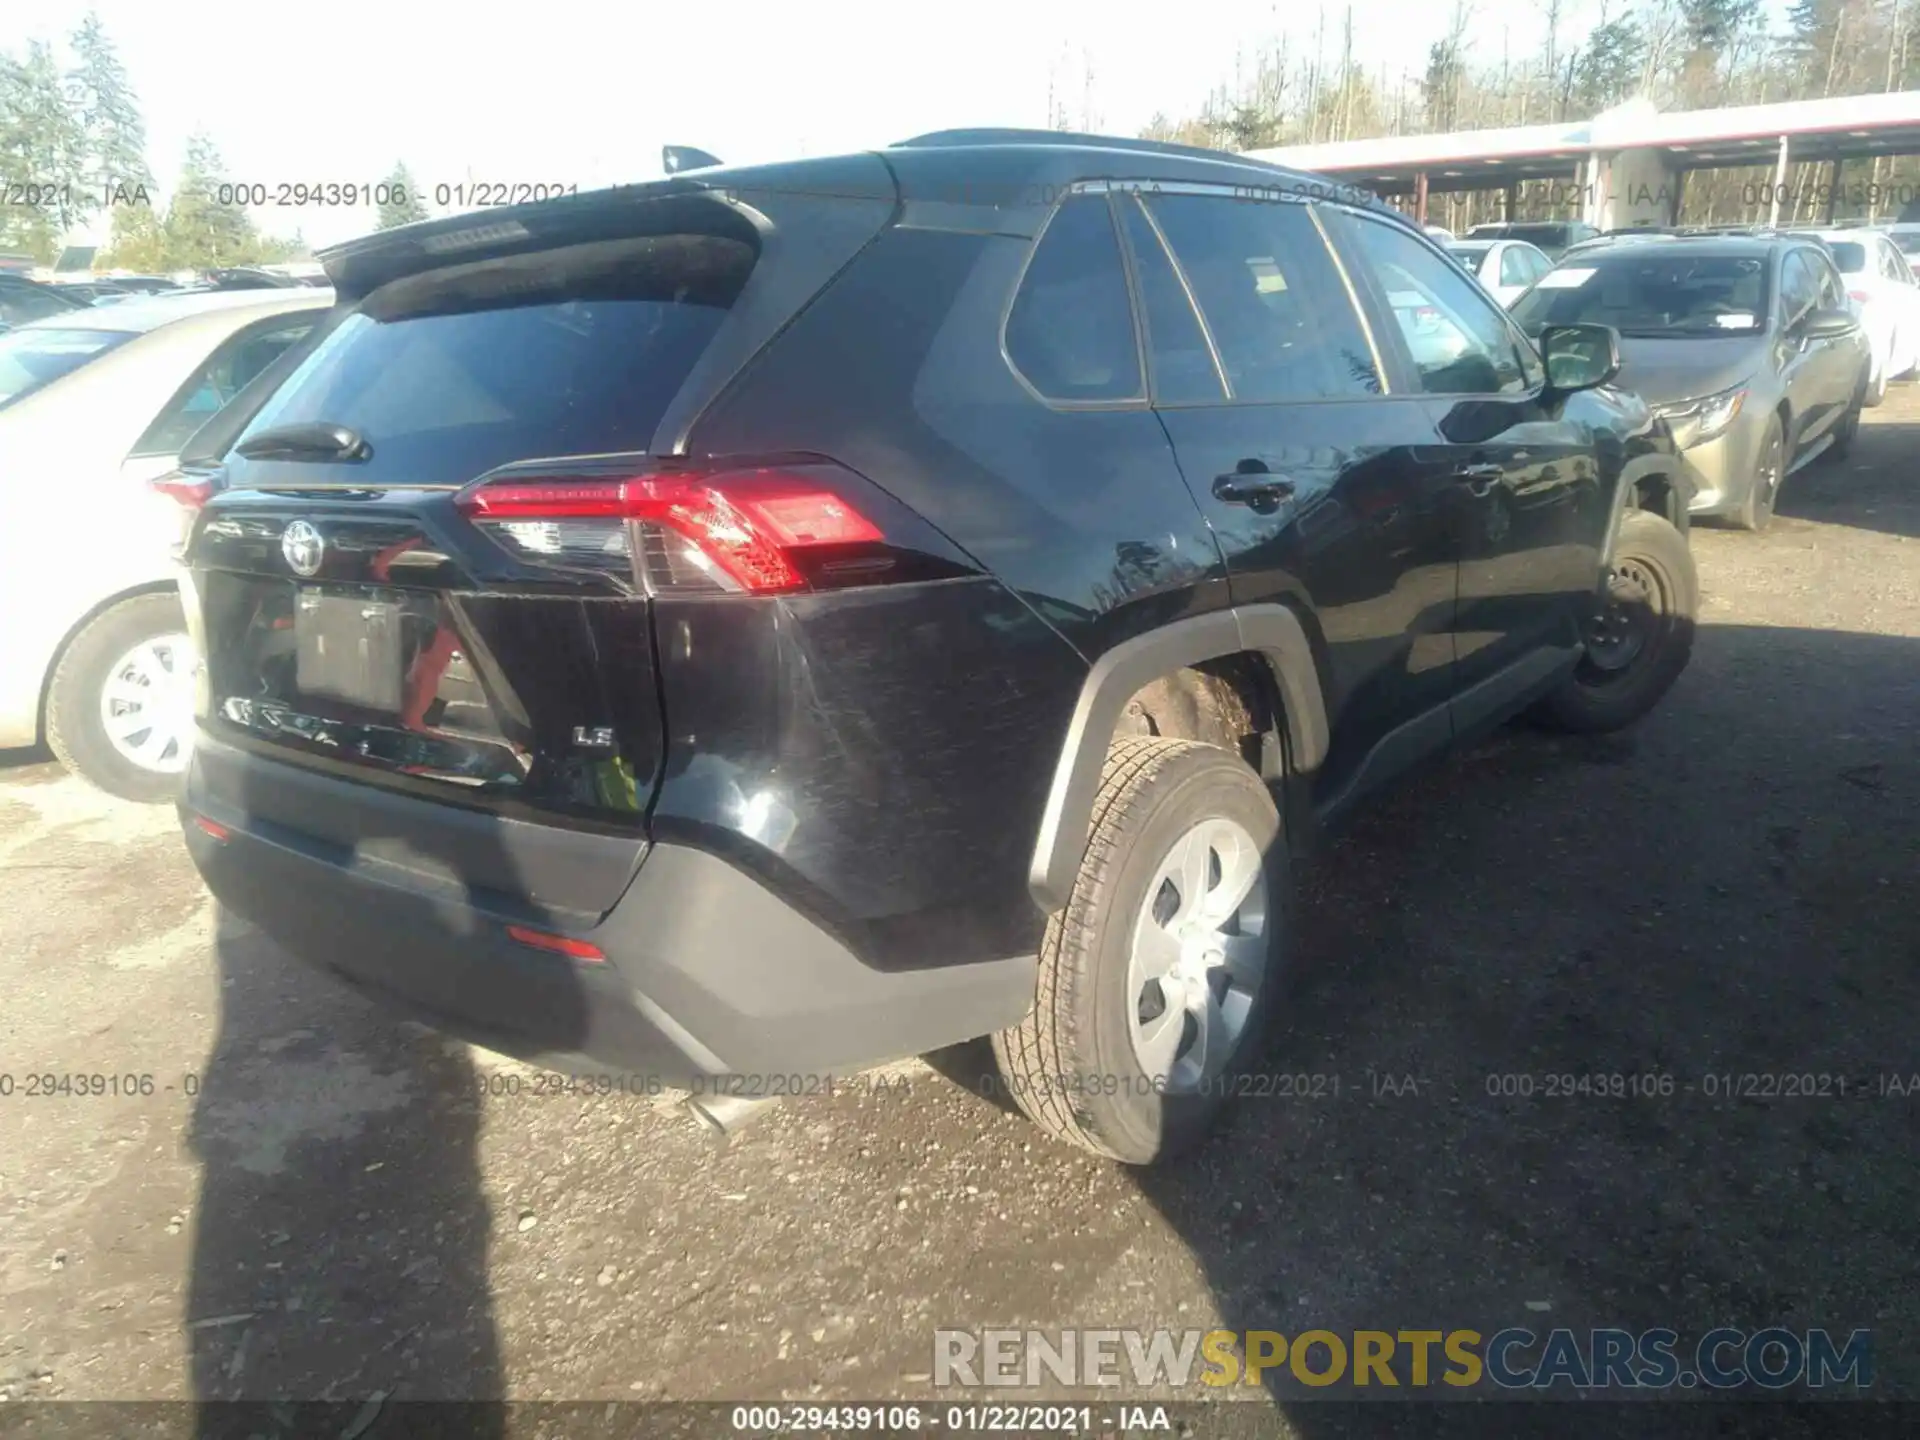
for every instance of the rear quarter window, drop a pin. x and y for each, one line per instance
(1070, 330)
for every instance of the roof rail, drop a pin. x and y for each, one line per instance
(1012, 136)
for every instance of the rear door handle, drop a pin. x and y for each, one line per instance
(1252, 484)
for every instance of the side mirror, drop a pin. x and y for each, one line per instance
(1828, 324)
(1579, 357)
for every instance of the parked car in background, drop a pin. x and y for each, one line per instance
(1906, 239)
(1505, 267)
(1885, 294)
(1746, 346)
(94, 403)
(1440, 233)
(22, 300)
(1552, 236)
(708, 649)
(90, 291)
(145, 284)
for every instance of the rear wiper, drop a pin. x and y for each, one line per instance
(318, 441)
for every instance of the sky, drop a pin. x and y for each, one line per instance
(585, 92)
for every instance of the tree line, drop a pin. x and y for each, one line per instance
(73, 143)
(1585, 58)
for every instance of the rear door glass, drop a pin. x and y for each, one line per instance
(1273, 298)
(450, 373)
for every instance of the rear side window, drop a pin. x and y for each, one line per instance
(1070, 331)
(1273, 299)
(1515, 268)
(569, 351)
(36, 357)
(224, 375)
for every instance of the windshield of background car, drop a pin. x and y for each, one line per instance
(1849, 256)
(33, 358)
(1651, 295)
(572, 351)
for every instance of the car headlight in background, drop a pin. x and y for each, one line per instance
(1696, 421)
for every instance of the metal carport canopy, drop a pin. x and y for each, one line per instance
(1840, 128)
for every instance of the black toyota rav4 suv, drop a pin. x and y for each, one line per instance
(775, 620)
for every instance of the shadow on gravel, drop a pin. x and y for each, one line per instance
(342, 1234)
(1877, 487)
(1599, 1033)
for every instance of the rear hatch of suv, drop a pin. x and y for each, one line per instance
(427, 568)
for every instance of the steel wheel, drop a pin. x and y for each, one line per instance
(1630, 621)
(1199, 955)
(146, 704)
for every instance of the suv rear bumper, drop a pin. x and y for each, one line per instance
(708, 973)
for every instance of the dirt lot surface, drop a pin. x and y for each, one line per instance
(316, 1201)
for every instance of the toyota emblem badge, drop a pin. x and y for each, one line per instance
(303, 548)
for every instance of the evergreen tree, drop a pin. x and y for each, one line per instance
(201, 231)
(114, 134)
(42, 156)
(399, 202)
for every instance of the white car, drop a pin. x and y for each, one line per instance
(1884, 292)
(94, 404)
(1507, 268)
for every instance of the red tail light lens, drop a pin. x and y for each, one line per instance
(723, 531)
(557, 944)
(213, 828)
(1860, 295)
(185, 489)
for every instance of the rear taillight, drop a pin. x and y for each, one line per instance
(182, 487)
(556, 944)
(1862, 296)
(737, 530)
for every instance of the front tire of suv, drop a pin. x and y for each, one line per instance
(1157, 978)
(120, 705)
(1639, 642)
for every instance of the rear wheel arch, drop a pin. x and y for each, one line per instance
(1194, 679)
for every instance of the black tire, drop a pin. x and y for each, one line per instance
(1598, 697)
(1769, 474)
(75, 731)
(1070, 1065)
(1876, 391)
(1849, 426)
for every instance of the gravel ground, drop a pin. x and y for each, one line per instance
(318, 1202)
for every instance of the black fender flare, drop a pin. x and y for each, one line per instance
(1271, 631)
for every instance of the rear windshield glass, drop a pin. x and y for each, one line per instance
(1651, 294)
(1469, 255)
(575, 350)
(36, 357)
(1908, 241)
(1851, 258)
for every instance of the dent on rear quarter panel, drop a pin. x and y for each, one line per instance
(877, 757)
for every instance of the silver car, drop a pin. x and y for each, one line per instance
(1744, 345)
(94, 404)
